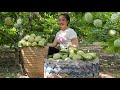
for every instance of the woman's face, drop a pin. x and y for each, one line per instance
(62, 22)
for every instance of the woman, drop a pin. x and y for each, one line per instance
(65, 37)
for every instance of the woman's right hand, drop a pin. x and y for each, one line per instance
(54, 44)
(49, 44)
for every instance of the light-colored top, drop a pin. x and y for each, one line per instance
(64, 37)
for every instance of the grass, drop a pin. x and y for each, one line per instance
(116, 75)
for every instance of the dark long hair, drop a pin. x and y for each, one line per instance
(66, 16)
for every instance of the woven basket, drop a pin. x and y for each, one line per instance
(45, 52)
(71, 68)
(33, 61)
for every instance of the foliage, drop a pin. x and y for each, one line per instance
(45, 24)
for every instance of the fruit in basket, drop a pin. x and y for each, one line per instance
(41, 43)
(72, 49)
(87, 56)
(43, 40)
(50, 56)
(20, 44)
(23, 42)
(26, 37)
(64, 50)
(34, 44)
(80, 55)
(31, 39)
(64, 56)
(76, 57)
(94, 56)
(71, 54)
(67, 58)
(33, 35)
(37, 38)
(57, 56)
(28, 44)
(80, 52)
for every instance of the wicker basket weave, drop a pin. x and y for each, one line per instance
(45, 52)
(71, 68)
(33, 61)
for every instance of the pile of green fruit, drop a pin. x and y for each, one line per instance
(32, 40)
(72, 53)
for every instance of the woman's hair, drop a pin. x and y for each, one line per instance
(66, 16)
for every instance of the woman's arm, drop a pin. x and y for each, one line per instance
(54, 44)
(75, 42)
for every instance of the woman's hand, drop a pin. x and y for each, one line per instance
(54, 44)
(48, 44)
(75, 42)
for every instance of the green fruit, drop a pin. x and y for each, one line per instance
(114, 17)
(31, 39)
(71, 54)
(64, 56)
(33, 35)
(117, 43)
(43, 39)
(26, 37)
(71, 49)
(76, 57)
(94, 56)
(88, 17)
(87, 56)
(50, 56)
(97, 23)
(13, 29)
(67, 58)
(80, 52)
(19, 21)
(34, 44)
(16, 25)
(64, 50)
(36, 14)
(20, 44)
(112, 32)
(28, 44)
(23, 42)
(41, 43)
(8, 21)
(38, 38)
(7, 77)
(57, 56)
